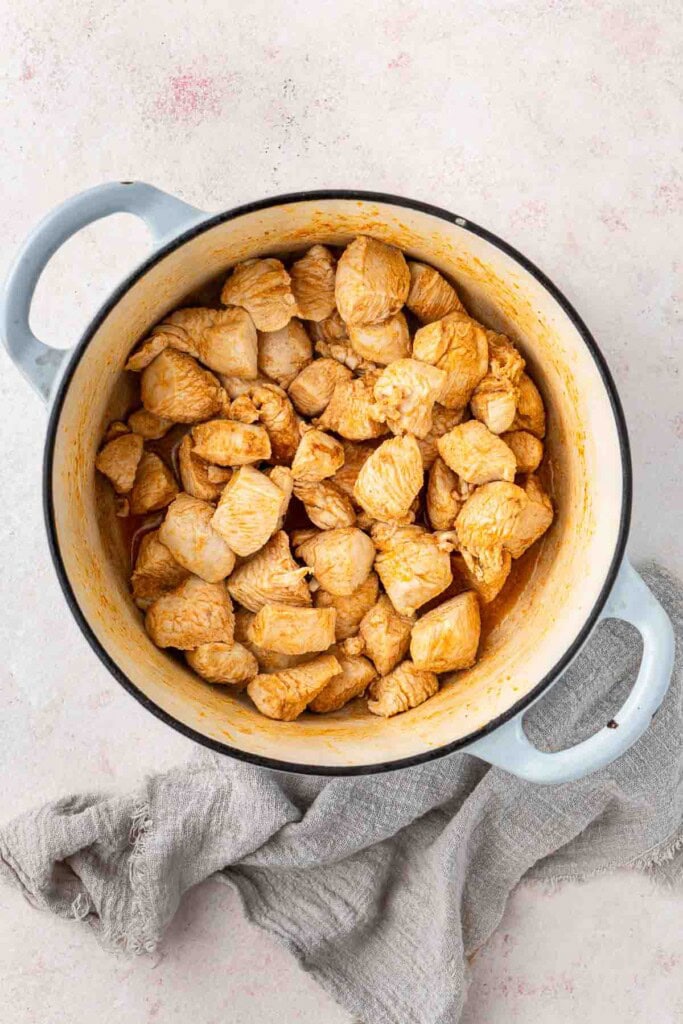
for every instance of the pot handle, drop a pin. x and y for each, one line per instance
(509, 748)
(163, 214)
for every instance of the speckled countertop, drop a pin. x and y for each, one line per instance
(556, 125)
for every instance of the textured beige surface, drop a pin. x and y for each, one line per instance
(553, 125)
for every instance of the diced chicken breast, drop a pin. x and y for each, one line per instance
(344, 353)
(282, 477)
(289, 630)
(284, 695)
(197, 477)
(372, 281)
(352, 607)
(477, 455)
(329, 330)
(445, 496)
(264, 288)
(271, 576)
(115, 429)
(340, 559)
(189, 536)
(154, 486)
(312, 388)
(192, 614)
(534, 519)
(355, 456)
(494, 403)
(355, 676)
(382, 342)
(385, 634)
(530, 409)
(390, 479)
(317, 457)
(225, 664)
(149, 425)
(313, 283)
(486, 575)
(249, 511)
(431, 297)
(405, 393)
(156, 571)
(526, 448)
(404, 688)
(276, 413)
(326, 505)
(413, 566)
(446, 639)
(175, 387)
(229, 443)
(351, 412)
(119, 461)
(443, 420)
(283, 354)
(456, 344)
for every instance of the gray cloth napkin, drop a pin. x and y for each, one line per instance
(381, 886)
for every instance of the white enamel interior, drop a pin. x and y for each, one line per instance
(537, 627)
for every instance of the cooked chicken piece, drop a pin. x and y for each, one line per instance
(494, 402)
(284, 695)
(154, 486)
(355, 456)
(356, 674)
(283, 354)
(446, 494)
(222, 339)
(229, 443)
(312, 389)
(526, 448)
(193, 613)
(431, 297)
(146, 353)
(196, 475)
(156, 571)
(530, 409)
(477, 455)
(383, 342)
(505, 360)
(351, 608)
(277, 415)
(187, 533)
(326, 504)
(403, 689)
(458, 345)
(115, 429)
(534, 520)
(271, 576)
(487, 577)
(372, 281)
(343, 352)
(249, 511)
(340, 559)
(268, 661)
(351, 410)
(282, 477)
(221, 663)
(405, 393)
(148, 425)
(264, 288)
(313, 283)
(487, 527)
(413, 565)
(446, 639)
(318, 456)
(119, 461)
(234, 387)
(331, 329)
(385, 634)
(242, 409)
(176, 387)
(289, 630)
(443, 420)
(390, 480)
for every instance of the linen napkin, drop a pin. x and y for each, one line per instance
(381, 886)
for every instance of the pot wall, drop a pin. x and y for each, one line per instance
(538, 623)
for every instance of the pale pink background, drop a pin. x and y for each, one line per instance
(555, 124)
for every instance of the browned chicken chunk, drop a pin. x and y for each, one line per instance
(189, 536)
(175, 387)
(456, 344)
(285, 694)
(382, 342)
(283, 354)
(264, 288)
(340, 559)
(154, 486)
(192, 614)
(385, 634)
(446, 639)
(318, 456)
(390, 479)
(235, 520)
(404, 688)
(372, 281)
(353, 680)
(350, 608)
(326, 505)
(198, 478)
(271, 576)
(351, 412)
(312, 388)
(313, 283)
(477, 455)
(431, 297)
(119, 461)
(289, 630)
(413, 565)
(156, 571)
(225, 664)
(229, 443)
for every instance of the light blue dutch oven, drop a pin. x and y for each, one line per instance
(581, 575)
